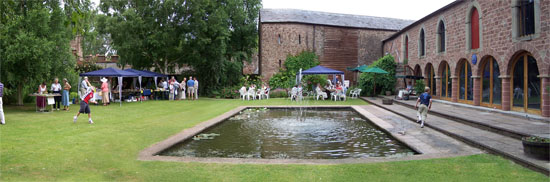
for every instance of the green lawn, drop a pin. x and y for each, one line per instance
(49, 147)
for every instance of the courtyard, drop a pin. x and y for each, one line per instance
(49, 147)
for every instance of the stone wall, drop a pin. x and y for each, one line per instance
(497, 40)
(337, 47)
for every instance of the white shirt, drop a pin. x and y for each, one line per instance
(56, 87)
(196, 84)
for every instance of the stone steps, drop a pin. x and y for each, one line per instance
(500, 143)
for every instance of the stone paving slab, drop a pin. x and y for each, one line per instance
(503, 145)
(522, 126)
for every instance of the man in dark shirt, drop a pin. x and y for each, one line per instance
(425, 105)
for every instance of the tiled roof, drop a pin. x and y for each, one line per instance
(332, 19)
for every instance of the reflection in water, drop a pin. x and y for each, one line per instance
(293, 134)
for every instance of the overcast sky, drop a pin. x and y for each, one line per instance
(402, 9)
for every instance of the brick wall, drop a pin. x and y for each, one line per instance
(337, 47)
(496, 40)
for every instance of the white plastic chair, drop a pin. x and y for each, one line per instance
(320, 93)
(251, 93)
(294, 93)
(267, 93)
(259, 94)
(356, 93)
(242, 91)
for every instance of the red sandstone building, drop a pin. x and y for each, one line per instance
(339, 40)
(492, 53)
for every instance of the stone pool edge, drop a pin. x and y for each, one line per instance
(150, 153)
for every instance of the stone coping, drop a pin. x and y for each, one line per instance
(424, 150)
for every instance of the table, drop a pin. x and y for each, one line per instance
(48, 99)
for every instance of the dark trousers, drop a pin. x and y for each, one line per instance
(57, 100)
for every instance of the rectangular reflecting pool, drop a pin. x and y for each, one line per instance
(296, 133)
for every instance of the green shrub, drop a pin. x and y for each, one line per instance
(278, 94)
(286, 77)
(419, 86)
(383, 82)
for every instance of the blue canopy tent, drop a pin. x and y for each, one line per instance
(109, 72)
(319, 70)
(155, 75)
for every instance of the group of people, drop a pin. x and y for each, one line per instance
(177, 90)
(252, 90)
(55, 88)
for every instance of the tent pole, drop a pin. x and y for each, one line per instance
(120, 90)
(140, 92)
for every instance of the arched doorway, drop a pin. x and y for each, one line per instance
(465, 82)
(491, 85)
(525, 84)
(430, 79)
(417, 72)
(446, 81)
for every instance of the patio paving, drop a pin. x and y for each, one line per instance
(490, 140)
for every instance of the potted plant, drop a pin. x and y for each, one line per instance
(386, 101)
(536, 147)
(388, 93)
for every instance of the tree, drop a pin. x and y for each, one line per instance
(34, 44)
(383, 82)
(213, 37)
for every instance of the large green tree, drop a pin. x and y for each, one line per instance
(213, 37)
(34, 44)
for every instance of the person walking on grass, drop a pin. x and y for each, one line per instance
(84, 105)
(425, 105)
(196, 85)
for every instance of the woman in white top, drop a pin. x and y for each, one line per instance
(56, 89)
(40, 100)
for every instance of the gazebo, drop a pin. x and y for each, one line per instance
(319, 70)
(109, 72)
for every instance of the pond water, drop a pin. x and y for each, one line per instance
(292, 134)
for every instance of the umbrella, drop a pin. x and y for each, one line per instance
(374, 69)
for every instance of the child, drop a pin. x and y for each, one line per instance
(84, 107)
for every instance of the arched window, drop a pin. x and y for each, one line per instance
(474, 29)
(406, 47)
(299, 39)
(446, 82)
(421, 45)
(441, 36)
(526, 91)
(491, 86)
(465, 81)
(431, 79)
(279, 39)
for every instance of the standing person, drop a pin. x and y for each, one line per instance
(183, 84)
(41, 100)
(425, 105)
(190, 88)
(56, 89)
(84, 86)
(84, 104)
(105, 91)
(2, 119)
(196, 82)
(65, 95)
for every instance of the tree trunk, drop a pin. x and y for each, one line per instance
(20, 94)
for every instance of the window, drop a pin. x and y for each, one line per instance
(299, 39)
(279, 39)
(431, 80)
(280, 63)
(465, 81)
(491, 88)
(446, 82)
(406, 47)
(441, 36)
(474, 29)
(526, 17)
(421, 43)
(526, 91)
